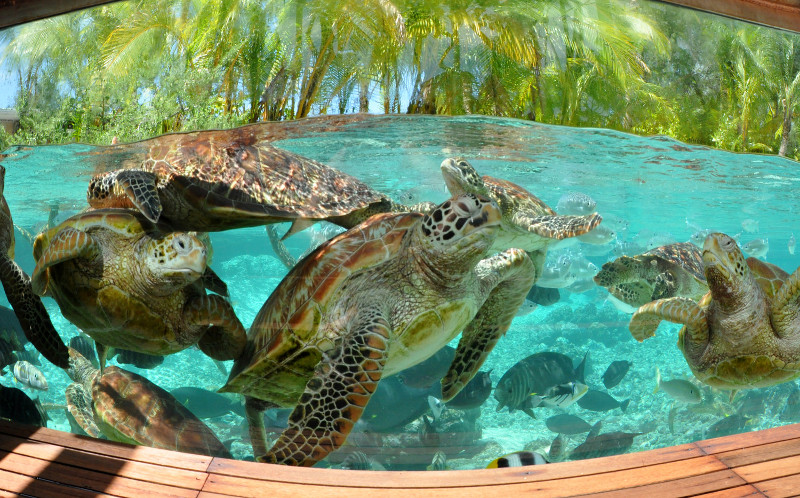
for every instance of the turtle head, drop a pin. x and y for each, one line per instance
(463, 227)
(173, 261)
(461, 177)
(726, 271)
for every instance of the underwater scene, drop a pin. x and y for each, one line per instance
(542, 263)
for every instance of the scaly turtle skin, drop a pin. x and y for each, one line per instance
(29, 309)
(379, 298)
(126, 407)
(745, 332)
(224, 179)
(528, 223)
(673, 270)
(134, 285)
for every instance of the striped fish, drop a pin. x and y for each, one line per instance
(29, 376)
(518, 459)
(439, 461)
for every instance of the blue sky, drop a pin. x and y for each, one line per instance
(8, 86)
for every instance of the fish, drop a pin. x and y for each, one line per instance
(791, 411)
(135, 358)
(575, 203)
(732, 424)
(436, 406)
(792, 244)
(543, 296)
(580, 286)
(599, 235)
(358, 460)
(565, 423)
(474, 394)
(600, 445)
(439, 461)
(206, 404)
(757, 248)
(29, 376)
(395, 404)
(556, 451)
(615, 373)
(526, 308)
(750, 225)
(698, 238)
(678, 389)
(85, 346)
(753, 403)
(599, 401)
(556, 275)
(561, 396)
(424, 374)
(535, 374)
(17, 406)
(517, 459)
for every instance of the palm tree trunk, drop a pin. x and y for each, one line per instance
(787, 127)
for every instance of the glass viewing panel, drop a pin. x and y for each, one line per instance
(639, 112)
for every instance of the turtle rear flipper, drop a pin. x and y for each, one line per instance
(786, 306)
(79, 404)
(508, 276)
(335, 396)
(126, 188)
(682, 310)
(558, 227)
(32, 314)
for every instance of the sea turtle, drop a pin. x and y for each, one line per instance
(28, 307)
(528, 223)
(223, 179)
(745, 332)
(377, 299)
(126, 407)
(131, 284)
(673, 270)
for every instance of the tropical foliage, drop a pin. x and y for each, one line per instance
(140, 68)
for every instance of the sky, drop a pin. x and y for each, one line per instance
(8, 86)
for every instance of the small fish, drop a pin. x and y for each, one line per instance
(563, 395)
(517, 459)
(206, 404)
(135, 358)
(599, 401)
(575, 203)
(580, 286)
(556, 451)
(436, 406)
(750, 225)
(678, 389)
(17, 406)
(557, 275)
(85, 346)
(474, 393)
(792, 244)
(791, 412)
(439, 461)
(726, 426)
(599, 235)
(543, 296)
(615, 373)
(358, 460)
(599, 445)
(565, 423)
(757, 248)
(699, 237)
(29, 376)
(423, 375)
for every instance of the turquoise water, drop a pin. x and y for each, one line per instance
(651, 190)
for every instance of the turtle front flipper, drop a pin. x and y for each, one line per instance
(558, 227)
(214, 283)
(126, 188)
(645, 320)
(226, 338)
(32, 314)
(67, 244)
(79, 404)
(506, 278)
(336, 395)
(279, 248)
(786, 306)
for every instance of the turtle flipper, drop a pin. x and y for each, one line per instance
(68, 243)
(212, 282)
(126, 188)
(674, 309)
(280, 248)
(79, 404)
(226, 338)
(558, 227)
(32, 314)
(335, 396)
(786, 306)
(506, 277)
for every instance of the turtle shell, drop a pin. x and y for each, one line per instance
(286, 343)
(769, 277)
(511, 198)
(683, 255)
(134, 410)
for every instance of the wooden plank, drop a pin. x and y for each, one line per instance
(160, 474)
(13, 484)
(687, 486)
(737, 492)
(120, 450)
(780, 487)
(771, 469)
(761, 453)
(85, 479)
(778, 14)
(750, 439)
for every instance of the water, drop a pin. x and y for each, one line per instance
(652, 190)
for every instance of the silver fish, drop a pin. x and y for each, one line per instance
(599, 235)
(750, 225)
(575, 203)
(757, 248)
(678, 389)
(792, 244)
(29, 376)
(436, 406)
(699, 237)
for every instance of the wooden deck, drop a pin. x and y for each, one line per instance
(44, 462)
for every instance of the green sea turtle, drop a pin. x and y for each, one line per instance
(30, 311)
(745, 332)
(377, 299)
(126, 407)
(528, 223)
(131, 284)
(673, 270)
(223, 179)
